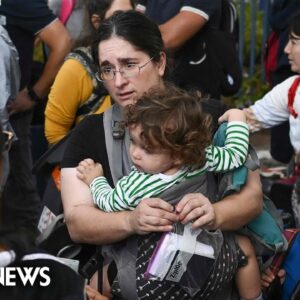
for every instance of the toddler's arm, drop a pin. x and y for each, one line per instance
(235, 151)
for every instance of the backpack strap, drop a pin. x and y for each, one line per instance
(291, 96)
(83, 55)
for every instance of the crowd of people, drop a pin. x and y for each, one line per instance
(125, 88)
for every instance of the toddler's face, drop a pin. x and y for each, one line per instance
(150, 161)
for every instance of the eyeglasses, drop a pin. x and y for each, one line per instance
(6, 139)
(127, 71)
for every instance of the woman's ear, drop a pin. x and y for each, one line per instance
(162, 63)
(95, 20)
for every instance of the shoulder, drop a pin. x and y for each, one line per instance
(90, 125)
(281, 90)
(205, 8)
(86, 140)
(75, 68)
(288, 82)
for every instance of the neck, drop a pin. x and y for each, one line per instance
(173, 170)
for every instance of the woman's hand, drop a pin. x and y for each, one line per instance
(152, 215)
(196, 208)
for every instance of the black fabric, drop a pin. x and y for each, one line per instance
(219, 63)
(160, 11)
(87, 141)
(281, 147)
(187, 70)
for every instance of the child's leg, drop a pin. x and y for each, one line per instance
(106, 288)
(248, 276)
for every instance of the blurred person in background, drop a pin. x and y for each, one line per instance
(24, 22)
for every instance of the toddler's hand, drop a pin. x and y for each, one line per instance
(233, 114)
(88, 170)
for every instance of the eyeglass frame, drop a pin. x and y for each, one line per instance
(7, 140)
(122, 72)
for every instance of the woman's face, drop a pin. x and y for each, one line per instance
(292, 49)
(118, 5)
(116, 53)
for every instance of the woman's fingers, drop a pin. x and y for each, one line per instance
(196, 208)
(153, 215)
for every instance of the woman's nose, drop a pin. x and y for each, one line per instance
(120, 79)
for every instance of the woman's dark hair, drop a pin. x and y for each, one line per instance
(172, 119)
(95, 7)
(295, 26)
(100, 7)
(133, 27)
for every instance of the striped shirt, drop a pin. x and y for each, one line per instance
(131, 189)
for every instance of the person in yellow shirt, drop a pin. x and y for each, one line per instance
(76, 92)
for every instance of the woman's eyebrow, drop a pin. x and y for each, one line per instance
(121, 61)
(126, 60)
(105, 63)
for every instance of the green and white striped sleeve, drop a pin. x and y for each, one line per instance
(235, 151)
(129, 190)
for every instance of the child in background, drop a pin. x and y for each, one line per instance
(282, 104)
(170, 142)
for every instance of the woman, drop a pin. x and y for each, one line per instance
(67, 106)
(132, 64)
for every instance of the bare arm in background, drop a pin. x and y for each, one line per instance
(187, 24)
(58, 40)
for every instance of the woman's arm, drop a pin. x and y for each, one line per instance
(236, 210)
(88, 224)
(85, 222)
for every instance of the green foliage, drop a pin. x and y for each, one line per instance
(254, 86)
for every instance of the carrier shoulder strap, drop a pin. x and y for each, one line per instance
(83, 55)
(291, 96)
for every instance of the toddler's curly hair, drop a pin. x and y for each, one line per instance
(172, 119)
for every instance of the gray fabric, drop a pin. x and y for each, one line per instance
(252, 163)
(117, 149)
(76, 22)
(9, 75)
(9, 87)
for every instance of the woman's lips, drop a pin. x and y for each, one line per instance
(125, 96)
